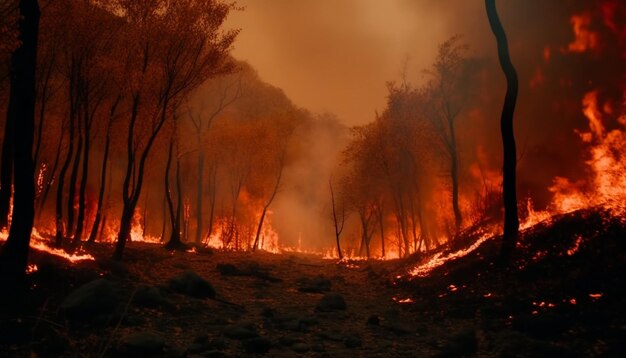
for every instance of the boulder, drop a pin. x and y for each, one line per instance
(331, 302)
(191, 284)
(143, 344)
(92, 299)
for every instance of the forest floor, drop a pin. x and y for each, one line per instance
(563, 296)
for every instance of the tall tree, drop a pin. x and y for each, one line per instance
(511, 220)
(446, 96)
(14, 253)
(176, 46)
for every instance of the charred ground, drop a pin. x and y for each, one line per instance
(562, 296)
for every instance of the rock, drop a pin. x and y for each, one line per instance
(353, 341)
(332, 336)
(318, 284)
(331, 302)
(240, 332)
(257, 345)
(149, 296)
(288, 341)
(95, 298)
(373, 320)
(300, 348)
(190, 284)
(229, 270)
(462, 344)
(144, 343)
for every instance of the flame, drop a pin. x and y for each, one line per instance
(584, 39)
(441, 258)
(38, 242)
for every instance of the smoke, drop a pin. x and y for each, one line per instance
(336, 56)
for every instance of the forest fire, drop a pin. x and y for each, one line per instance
(192, 178)
(40, 243)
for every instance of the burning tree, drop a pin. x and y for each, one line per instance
(446, 94)
(173, 48)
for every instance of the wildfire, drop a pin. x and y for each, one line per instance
(39, 243)
(585, 39)
(441, 258)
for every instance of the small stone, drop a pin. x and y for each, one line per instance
(144, 343)
(257, 345)
(462, 344)
(318, 284)
(149, 296)
(240, 332)
(300, 348)
(331, 302)
(373, 320)
(353, 342)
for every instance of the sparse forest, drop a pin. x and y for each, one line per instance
(170, 185)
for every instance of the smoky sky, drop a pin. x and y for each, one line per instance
(337, 55)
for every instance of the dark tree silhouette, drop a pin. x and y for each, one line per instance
(14, 254)
(511, 221)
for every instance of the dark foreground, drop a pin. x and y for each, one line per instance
(564, 296)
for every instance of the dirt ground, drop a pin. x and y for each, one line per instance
(563, 296)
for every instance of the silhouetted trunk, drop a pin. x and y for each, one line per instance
(338, 221)
(199, 197)
(6, 172)
(60, 230)
(267, 205)
(71, 196)
(454, 174)
(80, 219)
(103, 174)
(213, 196)
(14, 253)
(53, 171)
(133, 179)
(511, 220)
(168, 192)
(381, 225)
(174, 242)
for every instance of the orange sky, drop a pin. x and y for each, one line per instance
(337, 55)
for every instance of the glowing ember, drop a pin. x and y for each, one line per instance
(596, 296)
(32, 268)
(574, 249)
(39, 243)
(403, 300)
(440, 258)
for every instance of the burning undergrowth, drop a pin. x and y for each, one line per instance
(562, 293)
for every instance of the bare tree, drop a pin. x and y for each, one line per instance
(178, 46)
(446, 96)
(338, 216)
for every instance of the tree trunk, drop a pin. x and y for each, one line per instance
(454, 173)
(53, 171)
(6, 172)
(71, 196)
(80, 220)
(269, 202)
(199, 198)
(60, 230)
(174, 241)
(14, 253)
(96, 223)
(511, 220)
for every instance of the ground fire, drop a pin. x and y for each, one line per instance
(213, 178)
